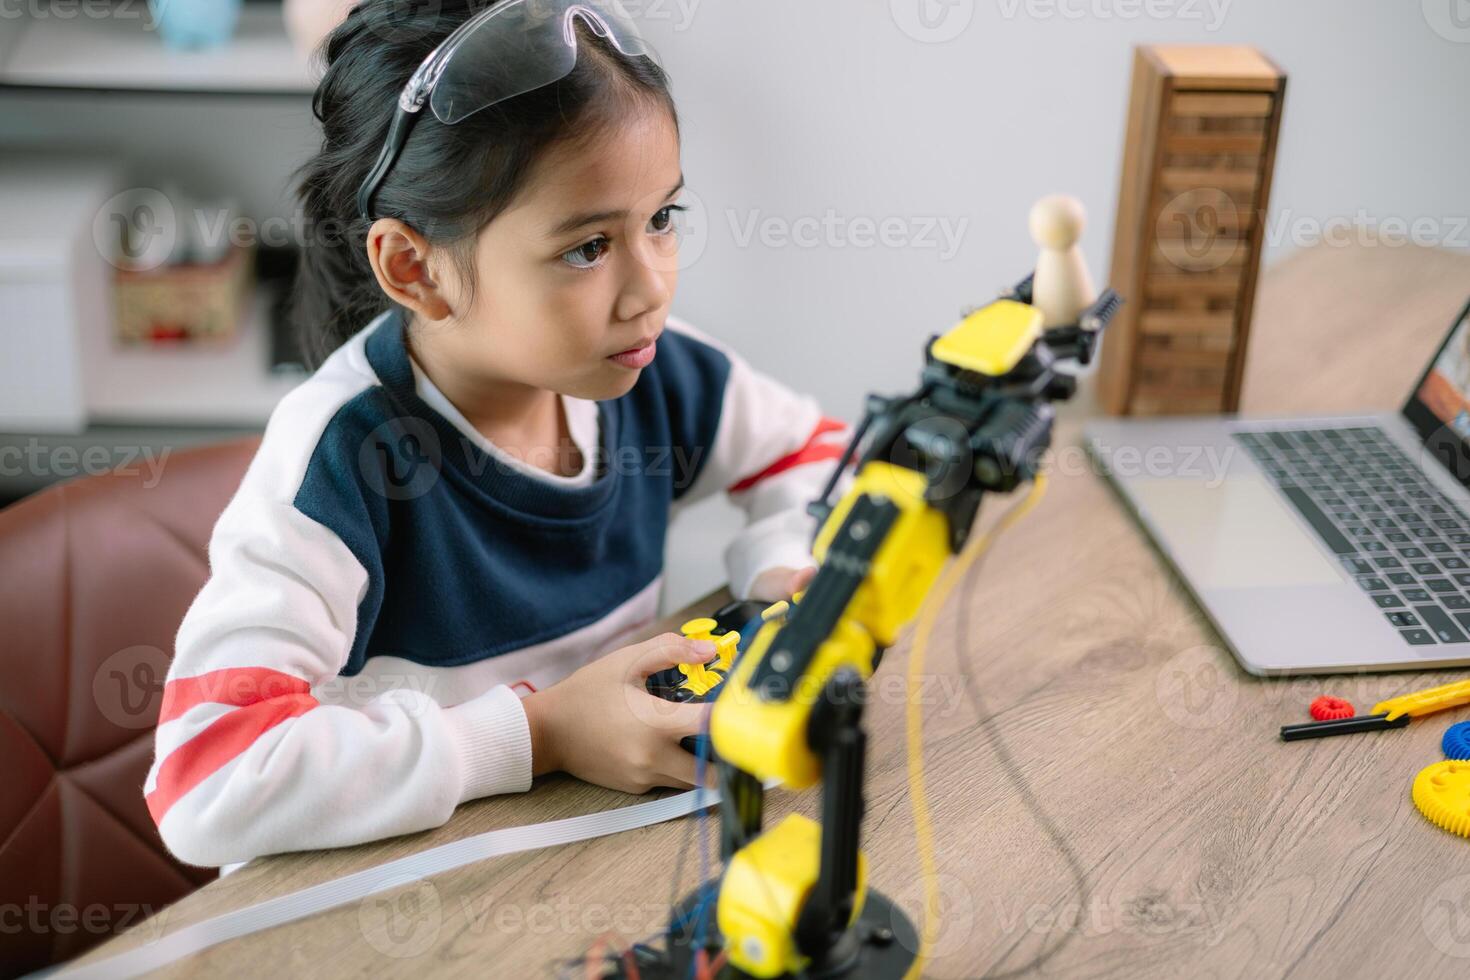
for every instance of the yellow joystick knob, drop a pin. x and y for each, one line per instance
(727, 644)
(699, 629)
(702, 679)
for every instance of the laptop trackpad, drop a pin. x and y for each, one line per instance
(1237, 534)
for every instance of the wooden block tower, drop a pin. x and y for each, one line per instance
(1197, 162)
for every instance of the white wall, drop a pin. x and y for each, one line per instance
(796, 108)
(793, 108)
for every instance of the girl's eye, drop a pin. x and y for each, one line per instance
(662, 221)
(586, 256)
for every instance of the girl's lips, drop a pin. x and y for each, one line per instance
(638, 358)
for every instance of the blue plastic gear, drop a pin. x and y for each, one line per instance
(1456, 742)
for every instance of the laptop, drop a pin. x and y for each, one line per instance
(1317, 545)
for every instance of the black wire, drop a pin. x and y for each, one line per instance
(986, 721)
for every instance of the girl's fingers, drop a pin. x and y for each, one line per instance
(669, 650)
(670, 718)
(679, 767)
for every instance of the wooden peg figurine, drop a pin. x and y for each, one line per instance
(1062, 288)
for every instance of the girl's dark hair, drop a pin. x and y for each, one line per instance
(450, 181)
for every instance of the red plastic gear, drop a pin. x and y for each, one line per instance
(1329, 708)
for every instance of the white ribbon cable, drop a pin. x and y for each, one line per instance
(277, 911)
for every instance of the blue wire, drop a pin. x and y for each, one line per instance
(701, 758)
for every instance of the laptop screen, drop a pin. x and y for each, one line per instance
(1439, 407)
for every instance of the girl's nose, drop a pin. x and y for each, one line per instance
(646, 287)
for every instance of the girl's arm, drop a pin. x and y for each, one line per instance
(772, 451)
(247, 760)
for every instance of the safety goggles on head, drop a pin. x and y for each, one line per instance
(510, 48)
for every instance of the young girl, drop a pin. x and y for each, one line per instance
(418, 592)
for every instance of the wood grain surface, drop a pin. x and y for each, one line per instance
(1109, 795)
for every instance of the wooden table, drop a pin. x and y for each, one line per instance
(1112, 799)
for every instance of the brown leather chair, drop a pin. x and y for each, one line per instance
(95, 577)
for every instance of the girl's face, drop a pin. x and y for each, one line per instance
(582, 266)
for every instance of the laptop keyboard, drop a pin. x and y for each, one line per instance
(1406, 543)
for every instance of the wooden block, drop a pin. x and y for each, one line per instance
(1215, 143)
(1170, 323)
(1193, 178)
(1215, 66)
(1170, 258)
(1186, 217)
(1168, 404)
(1199, 151)
(1199, 284)
(1219, 104)
(1164, 358)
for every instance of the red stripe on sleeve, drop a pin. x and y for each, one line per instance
(225, 738)
(810, 452)
(232, 685)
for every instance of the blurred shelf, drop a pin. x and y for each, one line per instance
(125, 53)
(230, 385)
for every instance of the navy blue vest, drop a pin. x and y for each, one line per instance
(468, 558)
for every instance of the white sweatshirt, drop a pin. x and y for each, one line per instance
(386, 584)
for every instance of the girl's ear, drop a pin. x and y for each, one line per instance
(400, 260)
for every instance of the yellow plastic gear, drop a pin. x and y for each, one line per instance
(1442, 794)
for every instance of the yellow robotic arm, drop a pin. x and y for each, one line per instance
(792, 897)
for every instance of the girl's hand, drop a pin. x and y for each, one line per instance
(601, 724)
(781, 582)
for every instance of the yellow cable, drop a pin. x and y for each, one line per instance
(923, 832)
